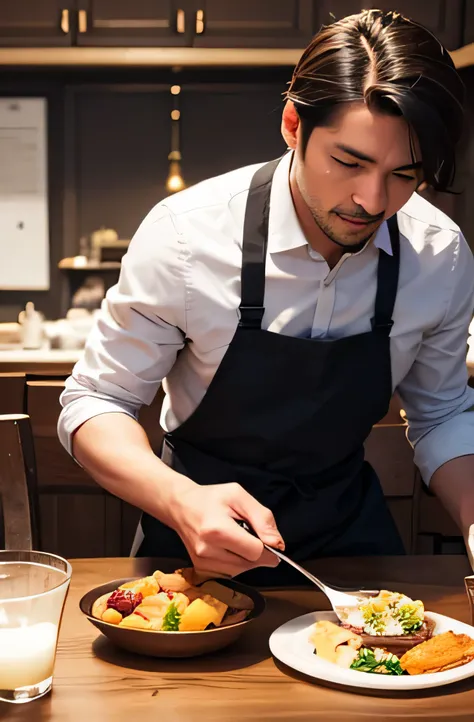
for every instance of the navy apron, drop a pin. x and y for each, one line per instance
(287, 417)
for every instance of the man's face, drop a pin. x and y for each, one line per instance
(357, 172)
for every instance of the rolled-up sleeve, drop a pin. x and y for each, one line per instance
(138, 333)
(438, 402)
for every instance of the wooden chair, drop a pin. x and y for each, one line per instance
(389, 452)
(18, 492)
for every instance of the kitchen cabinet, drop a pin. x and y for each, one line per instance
(248, 23)
(200, 23)
(36, 23)
(133, 23)
(207, 23)
(444, 18)
(157, 23)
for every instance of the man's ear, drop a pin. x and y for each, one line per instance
(290, 124)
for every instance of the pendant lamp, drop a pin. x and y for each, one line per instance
(175, 180)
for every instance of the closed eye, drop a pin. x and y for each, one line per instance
(347, 165)
(406, 177)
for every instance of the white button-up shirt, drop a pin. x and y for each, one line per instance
(174, 311)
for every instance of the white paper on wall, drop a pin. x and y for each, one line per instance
(24, 224)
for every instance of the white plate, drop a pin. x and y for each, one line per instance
(289, 643)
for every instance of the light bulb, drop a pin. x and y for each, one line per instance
(175, 180)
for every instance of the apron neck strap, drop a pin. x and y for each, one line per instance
(254, 252)
(254, 247)
(387, 281)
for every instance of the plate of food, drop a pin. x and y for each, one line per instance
(170, 615)
(387, 642)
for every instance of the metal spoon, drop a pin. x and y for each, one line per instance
(339, 598)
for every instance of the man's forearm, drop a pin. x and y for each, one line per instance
(453, 484)
(114, 449)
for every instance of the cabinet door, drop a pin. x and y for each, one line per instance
(443, 17)
(253, 23)
(133, 22)
(40, 23)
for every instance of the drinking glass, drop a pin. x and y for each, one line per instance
(33, 589)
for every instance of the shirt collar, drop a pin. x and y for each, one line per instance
(284, 230)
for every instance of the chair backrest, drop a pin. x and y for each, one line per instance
(390, 454)
(18, 492)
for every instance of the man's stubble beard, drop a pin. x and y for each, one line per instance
(321, 219)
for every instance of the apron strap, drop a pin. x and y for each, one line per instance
(254, 249)
(387, 282)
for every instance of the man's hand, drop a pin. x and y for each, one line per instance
(204, 517)
(115, 450)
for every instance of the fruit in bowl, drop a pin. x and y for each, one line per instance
(172, 603)
(172, 615)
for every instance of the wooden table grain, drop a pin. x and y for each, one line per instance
(96, 682)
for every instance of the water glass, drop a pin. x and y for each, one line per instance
(33, 589)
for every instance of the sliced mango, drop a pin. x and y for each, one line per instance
(135, 621)
(112, 616)
(198, 615)
(100, 605)
(220, 607)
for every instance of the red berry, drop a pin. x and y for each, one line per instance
(124, 601)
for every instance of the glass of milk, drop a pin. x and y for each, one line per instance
(33, 589)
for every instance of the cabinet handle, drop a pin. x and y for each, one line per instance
(199, 22)
(82, 21)
(180, 21)
(65, 21)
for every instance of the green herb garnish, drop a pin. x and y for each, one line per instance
(409, 617)
(171, 619)
(367, 662)
(374, 619)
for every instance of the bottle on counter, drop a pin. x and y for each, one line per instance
(31, 326)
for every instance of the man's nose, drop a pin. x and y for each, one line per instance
(371, 194)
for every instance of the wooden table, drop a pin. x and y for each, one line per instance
(94, 682)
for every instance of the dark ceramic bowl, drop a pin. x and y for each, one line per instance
(171, 644)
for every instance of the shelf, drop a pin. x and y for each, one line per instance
(172, 57)
(80, 263)
(150, 57)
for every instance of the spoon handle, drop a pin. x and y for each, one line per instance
(245, 525)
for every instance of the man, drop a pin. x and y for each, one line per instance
(281, 305)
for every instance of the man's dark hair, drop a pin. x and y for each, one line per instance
(396, 66)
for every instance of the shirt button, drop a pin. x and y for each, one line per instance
(314, 254)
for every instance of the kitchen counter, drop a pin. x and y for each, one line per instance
(55, 361)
